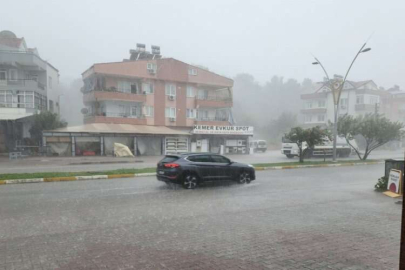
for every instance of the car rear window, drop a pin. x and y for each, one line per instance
(262, 143)
(168, 159)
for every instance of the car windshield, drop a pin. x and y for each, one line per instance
(210, 134)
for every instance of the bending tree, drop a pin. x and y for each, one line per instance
(375, 129)
(312, 136)
(45, 121)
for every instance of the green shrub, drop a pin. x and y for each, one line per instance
(381, 184)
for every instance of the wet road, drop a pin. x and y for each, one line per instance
(292, 219)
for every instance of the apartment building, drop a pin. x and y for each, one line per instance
(157, 105)
(28, 85)
(357, 98)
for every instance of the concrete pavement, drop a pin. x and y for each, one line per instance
(75, 164)
(323, 218)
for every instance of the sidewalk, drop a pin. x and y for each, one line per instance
(75, 164)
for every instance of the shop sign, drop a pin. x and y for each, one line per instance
(394, 186)
(227, 130)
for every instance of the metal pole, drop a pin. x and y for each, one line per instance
(402, 243)
(335, 134)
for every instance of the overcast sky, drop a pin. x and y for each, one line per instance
(263, 38)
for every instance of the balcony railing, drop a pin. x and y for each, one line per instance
(215, 98)
(116, 115)
(24, 58)
(212, 119)
(26, 84)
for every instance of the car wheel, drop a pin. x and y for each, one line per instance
(244, 178)
(290, 156)
(190, 181)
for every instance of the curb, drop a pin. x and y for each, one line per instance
(72, 178)
(318, 166)
(114, 176)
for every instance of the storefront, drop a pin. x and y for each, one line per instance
(221, 139)
(99, 140)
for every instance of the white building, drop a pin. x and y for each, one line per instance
(357, 98)
(28, 85)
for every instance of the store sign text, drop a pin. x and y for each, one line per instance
(231, 130)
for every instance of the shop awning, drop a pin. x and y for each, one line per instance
(121, 129)
(13, 116)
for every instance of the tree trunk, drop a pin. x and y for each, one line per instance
(301, 155)
(366, 152)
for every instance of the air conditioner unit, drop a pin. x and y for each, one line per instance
(152, 71)
(171, 97)
(172, 119)
(144, 92)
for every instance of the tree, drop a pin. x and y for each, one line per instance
(281, 125)
(374, 128)
(45, 121)
(312, 136)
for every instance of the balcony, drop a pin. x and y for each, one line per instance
(97, 95)
(27, 59)
(23, 85)
(114, 119)
(212, 121)
(314, 110)
(364, 107)
(214, 102)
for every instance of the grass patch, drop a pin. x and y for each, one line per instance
(66, 174)
(312, 163)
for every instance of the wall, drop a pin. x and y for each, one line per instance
(54, 91)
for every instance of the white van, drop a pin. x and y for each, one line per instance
(258, 145)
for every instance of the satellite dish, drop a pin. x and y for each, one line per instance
(84, 111)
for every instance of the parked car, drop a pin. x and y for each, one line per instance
(258, 145)
(191, 169)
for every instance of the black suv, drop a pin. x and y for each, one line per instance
(193, 168)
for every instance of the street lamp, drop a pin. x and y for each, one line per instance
(336, 87)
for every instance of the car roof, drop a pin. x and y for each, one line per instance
(190, 154)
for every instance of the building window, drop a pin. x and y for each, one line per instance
(6, 99)
(308, 105)
(25, 99)
(149, 111)
(125, 87)
(202, 115)
(308, 118)
(202, 94)
(135, 111)
(360, 99)
(190, 91)
(170, 112)
(13, 75)
(321, 104)
(321, 118)
(192, 71)
(3, 75)
(147, 88)
(50, 82)
(134, 88)
(191, 113)
(51, 105)
(343, 103)
(151, 66)
(170, 89)
(374, 99)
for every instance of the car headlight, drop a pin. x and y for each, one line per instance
(251, 166)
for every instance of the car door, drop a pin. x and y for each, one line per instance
(204, 166)
(222, 167)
